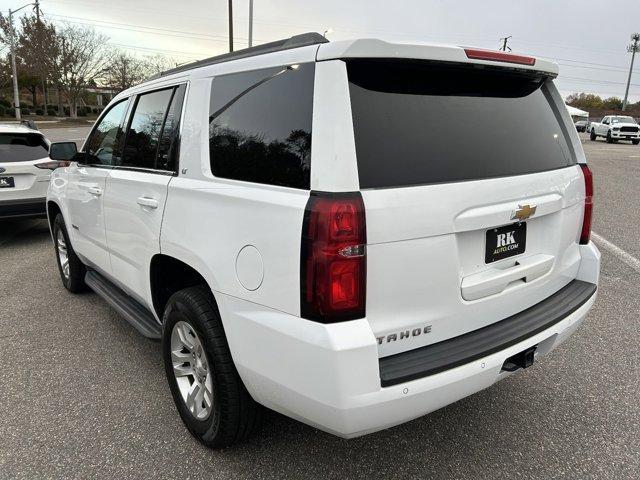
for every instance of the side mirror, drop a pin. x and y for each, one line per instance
(64, 151)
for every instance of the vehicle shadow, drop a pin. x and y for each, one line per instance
(18, 230)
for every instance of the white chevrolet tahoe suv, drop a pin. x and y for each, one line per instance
(614, 128)
(302, 228)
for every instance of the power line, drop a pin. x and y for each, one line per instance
(142, 28)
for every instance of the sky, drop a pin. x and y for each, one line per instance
(587, 38)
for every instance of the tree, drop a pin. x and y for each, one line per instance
(82, 58)
(612, 103)
(36, 47)
(159, 63)
(125, 71)
(585, 101)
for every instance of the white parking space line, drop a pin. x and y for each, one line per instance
(627, 258)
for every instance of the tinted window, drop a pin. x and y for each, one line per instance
(144, 131)
(260, 126)
(418, 123)
(169, 141)
(103, 146)
(22, 147)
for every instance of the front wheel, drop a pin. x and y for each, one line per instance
(609, 139)
(208, 392)
(71, 269)
(635, 142)
(592, 136)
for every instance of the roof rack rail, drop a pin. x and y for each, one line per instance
(302, 40)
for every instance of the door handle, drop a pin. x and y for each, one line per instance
(97, 191)
(148, 202)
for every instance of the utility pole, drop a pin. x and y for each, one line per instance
(14, 70)
(250, 23)
(633, 48)
(231, 25)
(37, 9)
(505, 47)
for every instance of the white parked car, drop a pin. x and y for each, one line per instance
(25, 169)
(303, 230)
(616, 127)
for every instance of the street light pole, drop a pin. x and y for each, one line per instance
(14, 70)
(231, 25)
(633, 48)
(250, 23)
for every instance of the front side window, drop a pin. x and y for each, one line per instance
(22, 147)
(143, 135)
(260, 125)
(103, 146)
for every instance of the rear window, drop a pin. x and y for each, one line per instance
(418, 123)
(22, 147)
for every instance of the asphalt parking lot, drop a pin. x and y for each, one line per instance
(82, 395)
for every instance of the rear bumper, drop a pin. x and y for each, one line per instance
(329, 376)
(23, 208)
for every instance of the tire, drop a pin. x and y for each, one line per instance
(232, 415)
(72, 271)
(609, 139)
(635, 142)
(592, 136)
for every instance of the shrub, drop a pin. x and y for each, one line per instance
(39, 111)
(52, 112)
(3, 112)
(82, 112)
(25, 111)
(5, 103)
(66, 111)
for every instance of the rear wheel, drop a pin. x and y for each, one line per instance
(72, 271)
(592, 136)
(609, 139)
(209, 394)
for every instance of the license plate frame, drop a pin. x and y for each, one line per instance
(505, 242)
(7, 182)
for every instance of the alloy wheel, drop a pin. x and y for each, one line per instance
(63, 254)
(191, 370)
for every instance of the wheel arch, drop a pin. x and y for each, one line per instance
(53, 209)
(167, 275)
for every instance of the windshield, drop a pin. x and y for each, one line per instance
(423, 122)
(622, 120)
(22, 147)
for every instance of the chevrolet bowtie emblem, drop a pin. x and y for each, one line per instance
(523, 212)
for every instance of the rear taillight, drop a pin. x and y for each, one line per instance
(333, 262)
(53, 164)
(585, 235)
(493, 56)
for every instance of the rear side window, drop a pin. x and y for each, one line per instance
(260, 125)
(143, 135)
(22, 147)
(420, 122)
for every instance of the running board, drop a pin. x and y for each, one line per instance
(134, 312)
